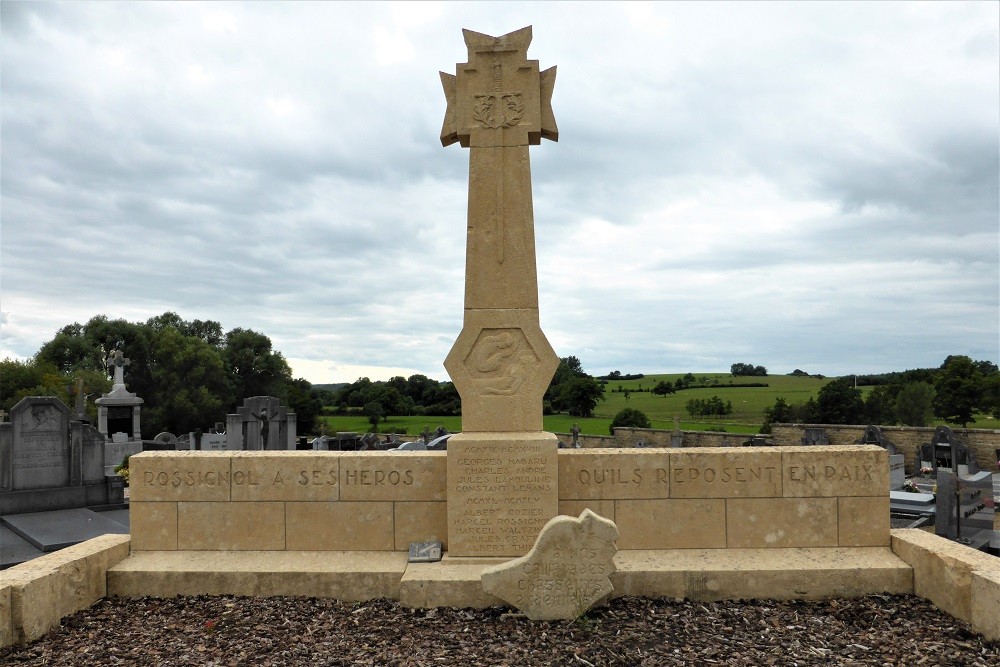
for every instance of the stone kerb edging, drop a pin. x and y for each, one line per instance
(742, 497)
(37, 594)
(957, 579)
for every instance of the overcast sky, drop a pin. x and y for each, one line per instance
(802, 185)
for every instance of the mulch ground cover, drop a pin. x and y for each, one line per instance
(875, 630)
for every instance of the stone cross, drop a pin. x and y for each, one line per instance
(3, 416)
(80, 406)
(499, 103)
(118, 362)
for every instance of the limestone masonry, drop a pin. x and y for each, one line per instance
(697, 498)
(499, 103)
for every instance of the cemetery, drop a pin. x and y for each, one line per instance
(502, 515)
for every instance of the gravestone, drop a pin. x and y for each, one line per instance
(897, 471)
(48, 462)
(965, 507)
(261, 423)
(677, 436)
(873, 435)
(945, 452)
(566, 572)
(815, 436)
(502, 468)
(80, 406)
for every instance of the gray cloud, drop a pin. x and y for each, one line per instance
(793, 185)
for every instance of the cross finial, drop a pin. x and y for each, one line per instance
(117, 361)
(498, 98)
(3, 416)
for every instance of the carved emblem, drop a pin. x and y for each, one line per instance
(500, 361)
(497, 110)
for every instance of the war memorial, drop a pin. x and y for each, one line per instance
(549, 531)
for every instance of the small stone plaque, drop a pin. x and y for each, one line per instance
(565, 573)
(425, 552)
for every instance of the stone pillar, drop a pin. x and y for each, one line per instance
(136, 431)
(102, 419)
(292, 429)
(502, 469)
(76, 454)
(234, 433)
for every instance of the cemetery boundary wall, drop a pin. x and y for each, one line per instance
(697, 498)
(983, 443)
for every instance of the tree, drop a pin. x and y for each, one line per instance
(959, 386)
(375, 413)
(191, 388)
(991, 395)
(840, 402)
(630, 417)
(579, 396)
(915, 404)
(253, 367)
(663, 388)
(747, 370)
(880, 405)
(306, 403)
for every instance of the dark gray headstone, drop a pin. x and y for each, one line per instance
(965, 507)
(50, 531)
(40, 450)
(873, 435)
(14, 549)
(815, 436)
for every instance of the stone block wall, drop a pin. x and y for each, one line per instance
(292, 501)
(751, 497)
(982, 442)
(747, 497)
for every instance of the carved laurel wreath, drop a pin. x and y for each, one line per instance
(498, 110)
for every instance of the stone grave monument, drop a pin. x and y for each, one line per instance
(965, 508)
(945, 452)
(261, 423)
(118, 415)
(502, 468)
(873, 435)
(47, 461)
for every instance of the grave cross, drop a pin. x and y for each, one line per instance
(118, 362)
(3, 416)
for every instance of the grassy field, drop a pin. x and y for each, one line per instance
(748, 406)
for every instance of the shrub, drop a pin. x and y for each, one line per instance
(630, 417)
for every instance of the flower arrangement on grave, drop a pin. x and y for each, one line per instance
(909, 487)
(926, 470)
(122, 469)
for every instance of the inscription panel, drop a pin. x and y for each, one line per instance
(859, 470)
(286, 476)
(748, 472)
(410, 476)
(613, 473)
(172, 476)
(502, 490)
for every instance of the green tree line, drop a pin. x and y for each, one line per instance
(954, 392)
(190, 374)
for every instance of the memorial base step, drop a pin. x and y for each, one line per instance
(697, 574)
